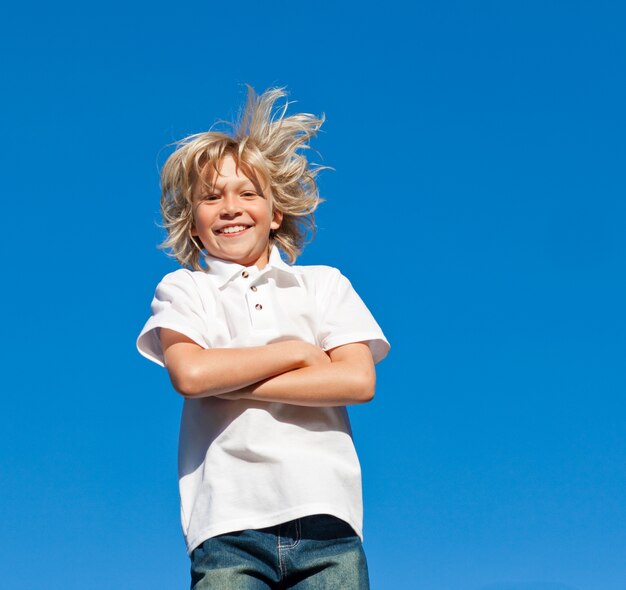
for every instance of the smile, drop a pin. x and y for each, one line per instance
(232, 229)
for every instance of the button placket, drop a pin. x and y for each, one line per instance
(260, 314)
(257, 304)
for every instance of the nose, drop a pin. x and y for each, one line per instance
(230, 205)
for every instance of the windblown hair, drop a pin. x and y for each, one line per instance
(265, 142)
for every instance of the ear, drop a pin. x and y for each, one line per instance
(277, 219)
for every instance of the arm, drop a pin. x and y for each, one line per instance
(350, 378)
(198, 372)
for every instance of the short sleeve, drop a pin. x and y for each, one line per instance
(345, 319)
(176, 305)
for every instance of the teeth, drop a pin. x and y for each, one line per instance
(232, 229)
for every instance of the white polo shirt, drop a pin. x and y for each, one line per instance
(247, 464)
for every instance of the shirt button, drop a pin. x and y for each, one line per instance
(258, 306)
(245, 274)
(253, 288)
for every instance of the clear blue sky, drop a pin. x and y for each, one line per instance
(477, 205)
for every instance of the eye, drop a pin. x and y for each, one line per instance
(209, 197)
(250, 194)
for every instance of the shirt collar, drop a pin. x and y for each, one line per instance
(224, 270)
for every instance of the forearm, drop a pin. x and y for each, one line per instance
(290, 371)
(202, 373)
(341, 382)
(331, 385)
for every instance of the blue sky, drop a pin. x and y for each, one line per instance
(477, 205)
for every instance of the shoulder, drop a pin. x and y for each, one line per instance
(343, 318)
(185, 285)
(184, 279)
(182, 276)
(318, 272)
(318, 279)
(326, 279)
(326, 283)
(178, 304)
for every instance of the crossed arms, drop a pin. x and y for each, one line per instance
(293, 371)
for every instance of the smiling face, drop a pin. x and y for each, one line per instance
(233, 215)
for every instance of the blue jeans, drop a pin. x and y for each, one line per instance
(318, 552)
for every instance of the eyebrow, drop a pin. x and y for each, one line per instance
(212, 188)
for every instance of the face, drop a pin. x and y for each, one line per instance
(233, 216)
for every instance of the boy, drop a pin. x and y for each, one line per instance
(267, 356)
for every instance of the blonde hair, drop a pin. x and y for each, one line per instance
(265, 141)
